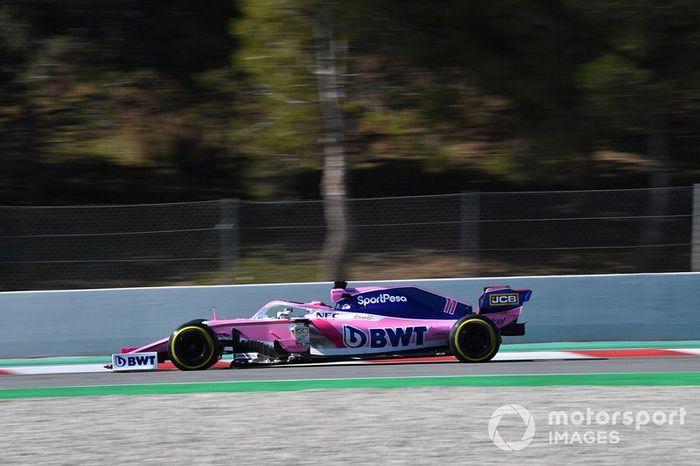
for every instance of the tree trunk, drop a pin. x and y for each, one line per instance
(659, 199)
(330, 60)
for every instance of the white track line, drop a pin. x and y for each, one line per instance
(94, 368)
(539, 355)
(695, 351)
(57, 369)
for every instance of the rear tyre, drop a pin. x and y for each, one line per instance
(475, 339)
(193, 346)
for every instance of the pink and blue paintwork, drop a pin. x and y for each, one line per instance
(362, 322)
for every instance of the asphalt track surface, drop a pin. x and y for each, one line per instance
(291, 372)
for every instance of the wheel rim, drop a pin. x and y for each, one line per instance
(192, 347)
(475, 340)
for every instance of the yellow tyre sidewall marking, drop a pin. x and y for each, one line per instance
(480, 322)
(203, 332)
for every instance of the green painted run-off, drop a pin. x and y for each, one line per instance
(542, 380)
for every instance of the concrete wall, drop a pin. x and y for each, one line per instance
(562, 308)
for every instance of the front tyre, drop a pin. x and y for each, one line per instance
(193, 346)
(475, 339)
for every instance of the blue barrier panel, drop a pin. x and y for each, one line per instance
(562, 308)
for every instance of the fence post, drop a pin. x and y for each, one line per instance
(469, 216)
(228, 237)
(695, 246)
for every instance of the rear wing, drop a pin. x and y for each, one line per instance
(502, 298)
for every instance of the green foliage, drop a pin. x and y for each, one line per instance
(223, 98)
(280, 128)
(123, 82)
(617, 90)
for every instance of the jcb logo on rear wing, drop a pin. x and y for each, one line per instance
(504, 299)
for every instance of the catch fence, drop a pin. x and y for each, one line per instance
(456, 235)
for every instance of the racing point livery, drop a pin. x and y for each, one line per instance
(364, 322)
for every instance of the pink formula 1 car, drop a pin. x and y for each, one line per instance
(363, 323)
